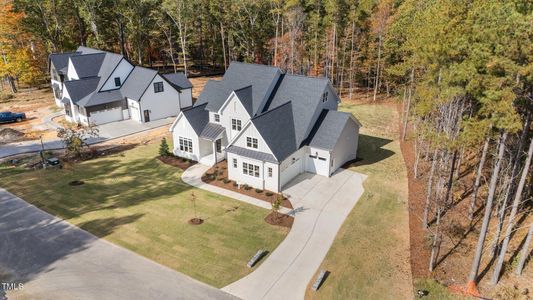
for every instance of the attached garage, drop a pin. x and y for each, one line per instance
(106, 116)
(317, 163)
(291, 171)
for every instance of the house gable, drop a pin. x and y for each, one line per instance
(121, 71)
(251, 131)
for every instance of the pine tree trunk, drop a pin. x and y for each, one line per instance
(406, 117)
(525, 251)
(511, 223)
(224, 45)
(450, 179)
(472, 277)
(478, 178)
(436, 243)
(377, 69)
(429, 188)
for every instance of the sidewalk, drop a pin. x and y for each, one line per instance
(193, 176)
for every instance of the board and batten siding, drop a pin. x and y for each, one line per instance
(161, 105)
(184, 129)
(251, 131)
(186, 98)
(71, 71)
(292, 166)
(122, 71)
(346, 147)
(263, 182)
(232, 109)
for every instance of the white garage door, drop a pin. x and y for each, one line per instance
(106, 116)
(290, 172)
(317, 164)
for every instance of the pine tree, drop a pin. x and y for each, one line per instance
(163, 148)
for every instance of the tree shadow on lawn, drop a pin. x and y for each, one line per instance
(104, 227)
(32, 240)
(111, 184)
(370, 151)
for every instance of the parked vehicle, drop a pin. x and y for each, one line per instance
(7, 117)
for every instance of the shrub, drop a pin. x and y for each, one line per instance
(269, 194)
(246, 187)
(163, 148)
(226, 181)
(235, 184)
(183, 159)
(258, 191)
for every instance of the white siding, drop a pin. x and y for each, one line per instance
(186, 98)
(251, 131)
(122, 71)
(161, 105)
(184, 129)
(233, 109)
(346, 147)
(238, 175)
(71, 72)
(292, 166)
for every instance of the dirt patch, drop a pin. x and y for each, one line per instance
(76, 182)
(218, 176)
(176, 162)
(279, 219)
(10, 135)
(195, 221)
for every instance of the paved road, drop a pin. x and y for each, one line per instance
(321, 206)
(55, 260)
(107, 132)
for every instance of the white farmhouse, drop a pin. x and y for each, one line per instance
(268, 125)
(97, 87)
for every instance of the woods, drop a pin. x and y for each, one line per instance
(461, 70)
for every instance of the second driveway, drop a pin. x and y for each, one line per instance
(321, 206)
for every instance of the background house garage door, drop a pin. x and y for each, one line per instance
(134, 114)
(106, 116)
(317, 164)
(291, 171)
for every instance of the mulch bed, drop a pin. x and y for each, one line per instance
(230, 185)
(195, 221)
(76, 182)
(279, 219)
(420, 252)
(176, 162)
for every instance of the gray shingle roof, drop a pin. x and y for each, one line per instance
(87, 50)
(60, 60)
(197, 116)
(88, 65)
(179, 80)
(245, 96)
(211, 131)
(79, 89)
(237, 76)
(101, 98)
(277, 129)
(305, 94)
(328, 129)
(137, 82)
(251, 154)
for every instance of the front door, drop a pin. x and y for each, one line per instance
(146, 115)
(218, 145)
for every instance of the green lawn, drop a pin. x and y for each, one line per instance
(369, 258)
(137, 202)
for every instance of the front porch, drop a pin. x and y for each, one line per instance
(213, 134)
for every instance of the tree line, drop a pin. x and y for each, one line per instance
(462, 70)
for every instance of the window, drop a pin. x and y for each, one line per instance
(325, 97)
(235, 163)
(236, 124)
(158, 87)
(185, 144)
(250, 170)
(269, 172)
(251, 142)
(117, 81)
(217, 118)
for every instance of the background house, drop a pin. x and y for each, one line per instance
(97, 87)
(270, 126)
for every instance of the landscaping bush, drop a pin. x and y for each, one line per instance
(226, 181)
(269, 194)
(259, 191)
(163, 148)
(246, 187)
(235, 184)
(183, 159)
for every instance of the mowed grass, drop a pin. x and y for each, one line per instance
(369, 258)
(137, 202)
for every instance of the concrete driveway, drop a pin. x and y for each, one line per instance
(321, 206)
(109, 131)
(55, 260)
